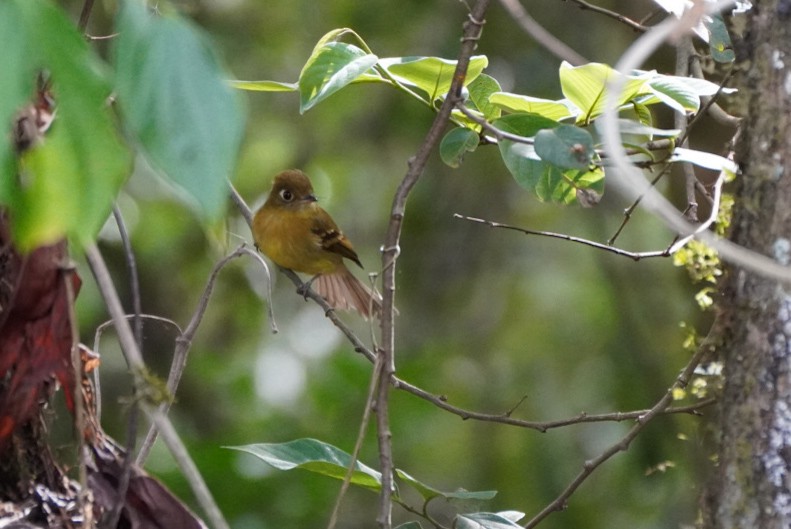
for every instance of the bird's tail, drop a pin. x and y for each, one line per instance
(345, 292)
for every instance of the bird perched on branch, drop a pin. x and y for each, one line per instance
(296, 233)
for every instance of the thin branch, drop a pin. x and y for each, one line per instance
(85, 15)
(441, 402)
(366, 418)
(637, 26)
(184, 340)
(544, 38)
(472, 31)
(599, 246)
(623, 444)
(135, 359)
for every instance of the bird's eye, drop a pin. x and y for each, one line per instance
(286, 195)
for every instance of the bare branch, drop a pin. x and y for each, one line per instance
(135, 360)
(184, 340)
(623, 444)
(544, 38)
(637, 26)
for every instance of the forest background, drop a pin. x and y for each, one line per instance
(491, 319)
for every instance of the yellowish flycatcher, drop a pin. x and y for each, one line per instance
(296, 233)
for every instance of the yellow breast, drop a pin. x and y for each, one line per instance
(286, 237)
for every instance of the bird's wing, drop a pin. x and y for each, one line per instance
(331, 237)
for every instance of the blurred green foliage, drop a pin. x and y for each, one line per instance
(487, 317)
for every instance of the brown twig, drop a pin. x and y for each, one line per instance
(472, 31)
(623, 444)
(544, 38)
(184, 341)
(85, 15)
(612, 14)
(600, 246)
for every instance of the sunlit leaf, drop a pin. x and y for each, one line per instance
(545, 107)
(481, 90)
(69, 181)
(331, 67)
(703, 159)
(431, 74)
(565, 146)
(265, 86)
(175, 99)
(456, 144)
(585, 86)
(315, 456)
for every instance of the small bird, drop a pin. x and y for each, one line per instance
(296, 233)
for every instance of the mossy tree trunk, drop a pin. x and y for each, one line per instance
(752, 487)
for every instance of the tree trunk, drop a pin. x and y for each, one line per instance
(752, 488)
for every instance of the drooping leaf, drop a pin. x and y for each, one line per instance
(566, 146)
(173, 94)
(69, 181)
(456, 143)
(432, 75)
(586, 87)
(265, 86)
(486, 520)
(315, 456)
(545, 107)
(481, 89)
(332, 66)
(428, 492)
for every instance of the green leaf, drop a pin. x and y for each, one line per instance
(431, 74)
(486, 520)
(643, 113)
(332, 66)
(526, 125)
(456, 144)
(428, 492)
(720, 43)
(172, 92)
(265, 86)
(585, 86)
(315, 456)
(520, 103)
(675, 94)
(565, 146)
(67, 184)
(481, 90)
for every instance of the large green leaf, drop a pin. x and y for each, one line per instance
(173, 94)
(720, 43)
(432, 75)
(565, 146)
(481, 90)
(69, 181)
(456, 143)
(585, 86)
(548, 181)
(521, 103)
(315, 456)
(332, 66)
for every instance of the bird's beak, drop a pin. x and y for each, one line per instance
(311, 198)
